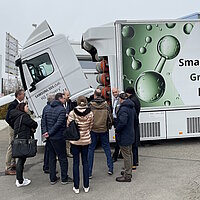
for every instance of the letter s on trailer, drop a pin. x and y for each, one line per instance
(48, 64)
(146, 55)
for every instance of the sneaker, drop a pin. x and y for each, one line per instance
(123, 179)
(54, 182)
(25, 183)
(69, 180)
(110, 172)
(76, 191)
(86, 190)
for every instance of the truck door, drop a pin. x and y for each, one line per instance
(42, 77)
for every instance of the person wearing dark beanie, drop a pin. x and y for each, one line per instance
(132, 96)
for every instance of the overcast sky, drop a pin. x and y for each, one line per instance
(73, 17)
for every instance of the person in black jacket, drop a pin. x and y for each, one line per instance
(125, 134)
(10, 162)
(69, 105)
(132, 96)
(24, 128)
(55, 124)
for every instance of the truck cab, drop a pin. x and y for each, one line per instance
(48, 64)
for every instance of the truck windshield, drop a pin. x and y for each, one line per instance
(40, 67)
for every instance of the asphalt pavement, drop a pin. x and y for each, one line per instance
(167, 170)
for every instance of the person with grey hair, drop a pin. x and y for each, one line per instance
(50, 98)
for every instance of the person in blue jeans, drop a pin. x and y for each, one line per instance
(83, 117)
(55, 123)
(102, 123)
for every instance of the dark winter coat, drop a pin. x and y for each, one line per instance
(55, 119)
(70, 106)
(23, 130)
(125, 132)
(136, 101)
(11, 106)
(43, 120)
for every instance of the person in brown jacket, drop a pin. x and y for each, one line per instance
(83, 116)
(102, 124)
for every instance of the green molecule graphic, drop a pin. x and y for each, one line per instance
(170, 25)
(130, 52)
(149, 27)
(150, 86)
(187, 28)
(127, 32)
(143, 49)
(136, 64)
(167, 103)
(168, 47)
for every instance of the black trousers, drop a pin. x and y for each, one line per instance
(20, 169)
(57, 148)
(46, 158)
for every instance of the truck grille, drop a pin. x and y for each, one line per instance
(150, 129)
(193, 125)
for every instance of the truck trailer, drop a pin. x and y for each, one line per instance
(158, 58)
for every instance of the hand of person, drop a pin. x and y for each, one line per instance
(46, 135)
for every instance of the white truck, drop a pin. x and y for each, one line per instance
(160, 59)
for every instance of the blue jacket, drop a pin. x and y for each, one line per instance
(43, 120)
(125, 123)
(55, 119)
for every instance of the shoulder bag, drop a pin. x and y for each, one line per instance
(23, 147)
(72, 131)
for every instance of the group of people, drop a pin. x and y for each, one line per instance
(94, 119)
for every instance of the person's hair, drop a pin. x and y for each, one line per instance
(18, 92)
(58, 95)
(21, 106)
(123, 96)
(50, 97)
(97, 92)
(130, 90)
(82, 101)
